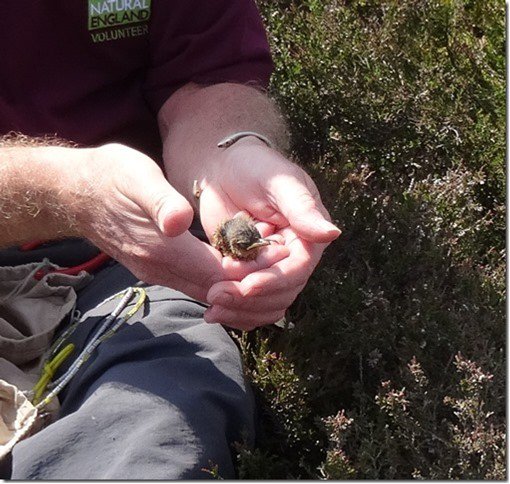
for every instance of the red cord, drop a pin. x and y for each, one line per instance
(31, 245)
(88, 266)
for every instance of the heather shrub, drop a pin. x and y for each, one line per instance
(394, 366)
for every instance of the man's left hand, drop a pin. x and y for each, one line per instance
(286, 205)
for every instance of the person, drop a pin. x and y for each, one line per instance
(145, 91)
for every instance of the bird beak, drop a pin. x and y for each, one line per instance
(259, 243)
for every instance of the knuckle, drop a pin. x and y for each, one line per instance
(140, 253)
(179, 205)
(158, 202)
(284, 305)
(301, 281)
(305, 200)
(113, 149)
(311, 186)
(112, 146)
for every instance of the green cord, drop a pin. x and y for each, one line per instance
(49, 370)
(50, 367)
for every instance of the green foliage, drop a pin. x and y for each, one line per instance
(421, 437)
(336, 464)
(397, 110)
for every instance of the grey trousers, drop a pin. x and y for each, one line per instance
(164, 398)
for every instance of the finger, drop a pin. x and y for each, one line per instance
(215, 208)
(183, 263)
(266, 229)
(245, 320)
(293, 271)
(229, 295)
(267, 256)
(298, 199)
(169, 210)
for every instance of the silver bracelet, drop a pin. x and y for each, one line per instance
(232, 138)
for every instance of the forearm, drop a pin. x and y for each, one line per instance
(195, 119)
(34, 194)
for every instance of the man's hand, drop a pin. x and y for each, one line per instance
(120, 200)
(133, 214)
(250, 177)
(253, 178)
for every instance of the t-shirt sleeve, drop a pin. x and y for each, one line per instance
(206, 42)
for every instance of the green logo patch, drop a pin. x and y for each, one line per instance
(112, 13)
(115, 15)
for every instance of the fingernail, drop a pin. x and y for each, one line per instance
(207, 316)
(207, 312)
(252, 291)
(223, 299)
(328, 227)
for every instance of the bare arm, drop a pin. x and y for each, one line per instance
(196, 118)
(116, 197)
(36, 194)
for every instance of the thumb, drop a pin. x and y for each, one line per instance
(169, 210)
(299, 202)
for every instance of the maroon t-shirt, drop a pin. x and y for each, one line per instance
(96, 71)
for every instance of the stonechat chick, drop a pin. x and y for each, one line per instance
(239, 238)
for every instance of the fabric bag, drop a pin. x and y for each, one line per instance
(30, 312)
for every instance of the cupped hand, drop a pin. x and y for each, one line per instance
(285, 202)
(128, 209)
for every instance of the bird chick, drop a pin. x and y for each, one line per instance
(238, 238)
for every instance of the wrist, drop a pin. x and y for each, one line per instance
(240, 135)
(222, 159)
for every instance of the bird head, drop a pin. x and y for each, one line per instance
(239, 238)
